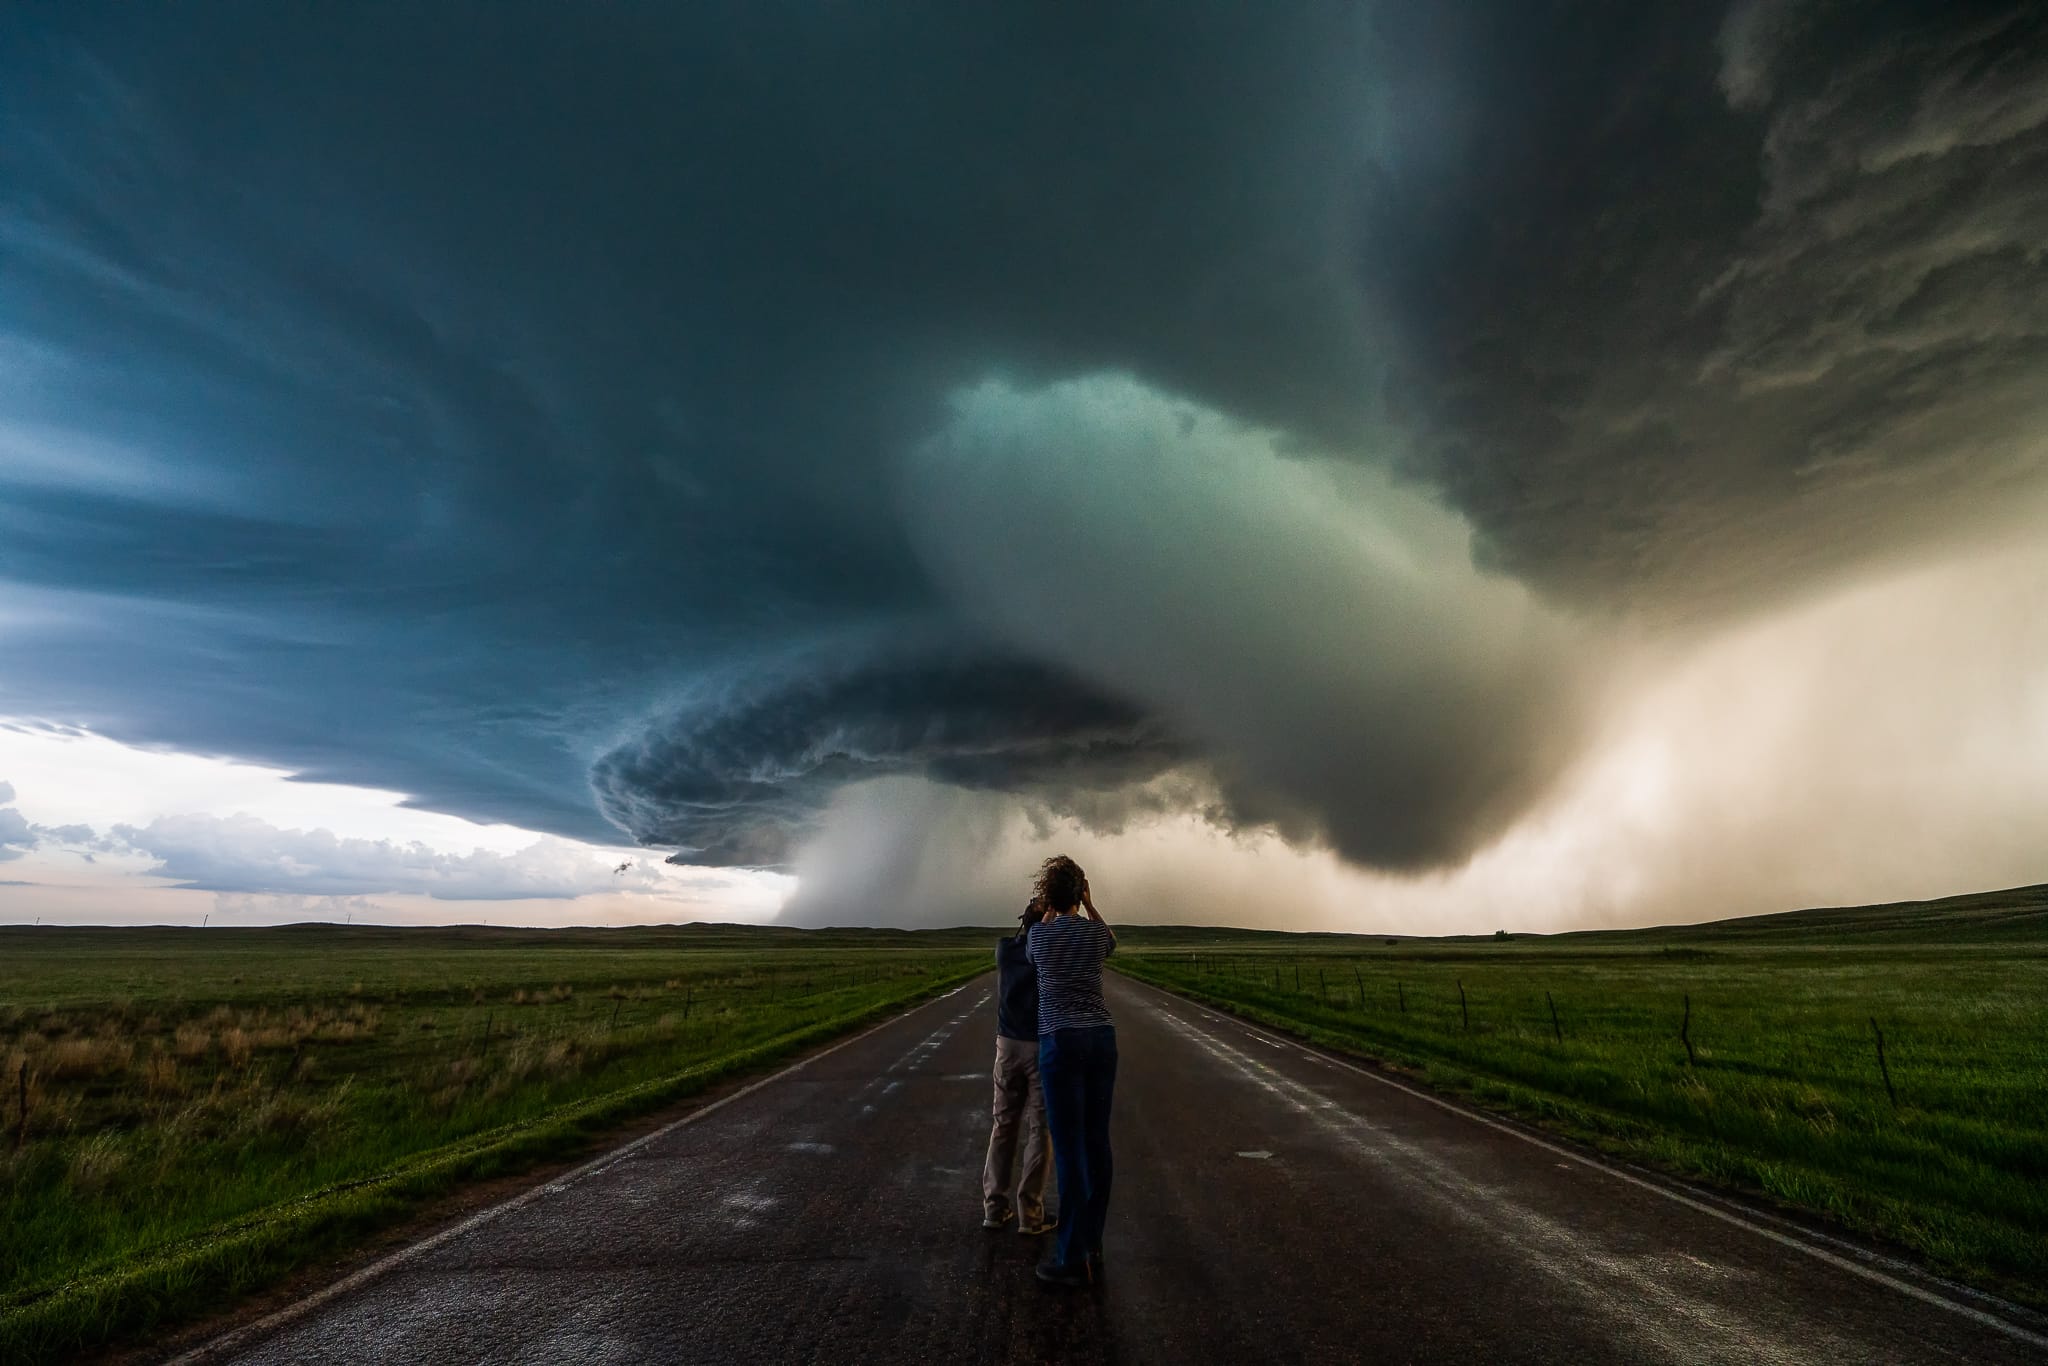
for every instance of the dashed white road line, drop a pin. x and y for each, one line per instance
(1851, 1264)
(268, 1326)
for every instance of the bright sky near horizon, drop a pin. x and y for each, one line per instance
(1407, 468)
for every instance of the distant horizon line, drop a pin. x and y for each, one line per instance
(1000, 929)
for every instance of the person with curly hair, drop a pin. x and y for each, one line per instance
(1076, 1064)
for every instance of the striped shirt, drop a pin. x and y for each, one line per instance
(1068, 951)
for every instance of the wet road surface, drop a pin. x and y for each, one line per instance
(1271, 1204)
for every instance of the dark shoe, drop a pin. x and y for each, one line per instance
(1064, 1276)
(1093, 1266)
(998, 1220)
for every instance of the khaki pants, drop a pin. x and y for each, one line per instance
(1019, 1104)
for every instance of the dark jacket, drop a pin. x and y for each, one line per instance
(1016, 991)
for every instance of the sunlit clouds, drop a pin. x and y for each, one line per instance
(102, 832)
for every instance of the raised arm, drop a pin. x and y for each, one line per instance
(1088, 905)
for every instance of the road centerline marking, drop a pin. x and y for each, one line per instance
(251, 1334)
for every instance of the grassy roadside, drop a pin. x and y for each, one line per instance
(159, 1176)
(1941, 1150)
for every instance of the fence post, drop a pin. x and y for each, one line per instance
(291, 1069)
(1555, 1026)
(1685, 1033)
(1401, 995)
(1463, 1013)
(1884, 1070)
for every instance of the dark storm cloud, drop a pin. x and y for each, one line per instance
(1740, 298)
(742, 775)
(416, 395)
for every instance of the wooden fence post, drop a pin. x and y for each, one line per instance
(291, 1069)
(1685, 1033)
(1463, 1013)
(1554, 1025)
(1882, 1068)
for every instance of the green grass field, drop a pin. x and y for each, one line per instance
(1783, 1097)
(205, 1110)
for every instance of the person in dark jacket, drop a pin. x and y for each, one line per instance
(1019, 1102)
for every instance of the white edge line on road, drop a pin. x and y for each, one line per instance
(1852, 1266)
(251, 1333)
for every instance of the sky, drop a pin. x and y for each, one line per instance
(1385, 467)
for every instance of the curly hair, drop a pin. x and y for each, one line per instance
(1059, 883)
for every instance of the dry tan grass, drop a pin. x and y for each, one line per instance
(236, 1047)
(51, 1109)
(549, 1058)
(85, 1059)
(160, 1075)
(357, 1022)
(192, 1042)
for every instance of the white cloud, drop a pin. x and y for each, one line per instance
(243, 853)
(104, 826)
(17, 836)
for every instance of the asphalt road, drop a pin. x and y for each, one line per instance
(1271, 1204)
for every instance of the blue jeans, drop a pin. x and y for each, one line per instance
(1077, 1070)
